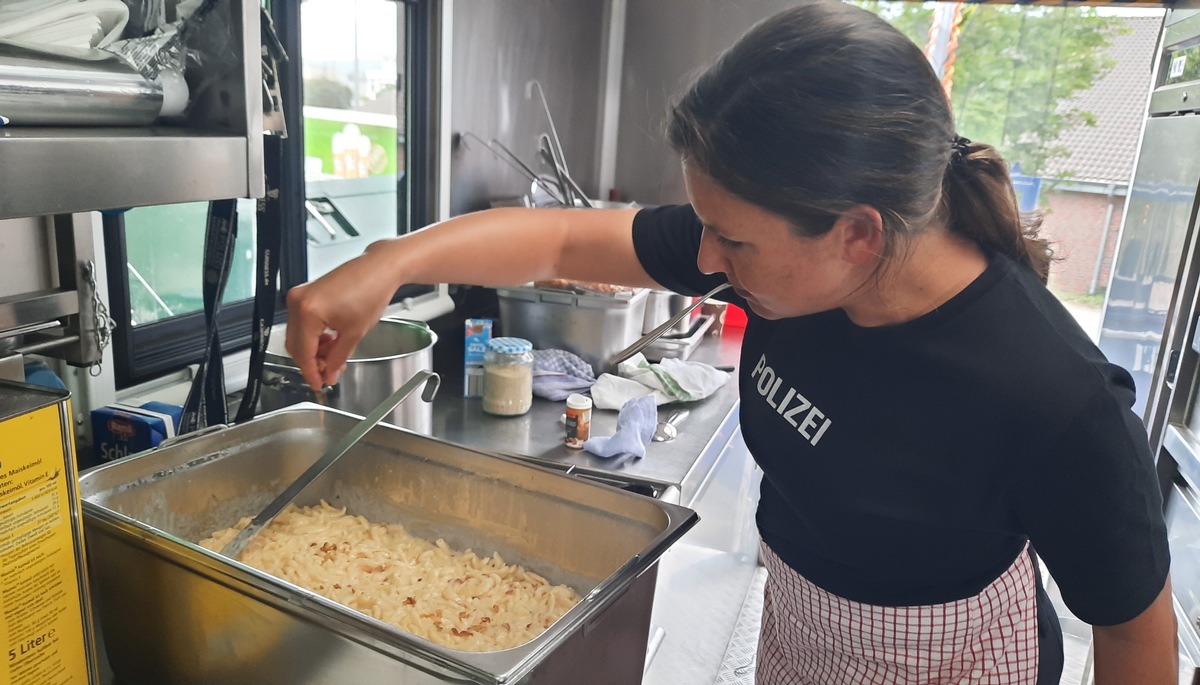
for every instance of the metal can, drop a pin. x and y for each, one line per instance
(44, 595)
(579, 420)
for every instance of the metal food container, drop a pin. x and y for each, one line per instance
(388, 355)
(172, 612)
(593, 326)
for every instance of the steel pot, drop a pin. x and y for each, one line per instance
(387, 356)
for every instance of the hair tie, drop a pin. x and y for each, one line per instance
(959, 149)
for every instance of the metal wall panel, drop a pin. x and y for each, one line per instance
(498, 47)
(667, 42)
(26, 256)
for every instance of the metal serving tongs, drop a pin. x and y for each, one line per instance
(571, 189)
(551, 151)
(268, 514)
(642, 342)
(511, 159)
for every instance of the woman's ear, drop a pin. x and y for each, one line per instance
(860, 230)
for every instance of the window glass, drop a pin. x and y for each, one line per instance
(1061, 93)
(165, 260)
(354, 152)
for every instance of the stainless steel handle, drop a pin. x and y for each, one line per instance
(511, 159)
(657, 333)
(678, 417)
(316, 214)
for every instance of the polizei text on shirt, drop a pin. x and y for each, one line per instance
(805, 417)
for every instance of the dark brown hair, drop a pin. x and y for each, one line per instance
(825, 106)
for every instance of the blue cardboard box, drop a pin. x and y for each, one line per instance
(119, 430)
(478, 333)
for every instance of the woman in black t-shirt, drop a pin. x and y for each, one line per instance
(829, 187)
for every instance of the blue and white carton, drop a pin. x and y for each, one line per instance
(119, 430)
(478, 333)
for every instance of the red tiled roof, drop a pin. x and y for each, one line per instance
(1104, 153)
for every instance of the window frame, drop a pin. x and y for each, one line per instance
(151, 350)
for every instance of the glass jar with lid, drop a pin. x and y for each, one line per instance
(508, 376)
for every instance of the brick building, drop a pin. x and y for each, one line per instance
(1083, 194)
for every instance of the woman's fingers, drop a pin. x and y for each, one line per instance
(321, 343)
(304, 330)
(347, 301)
(333, 352)
(329, 372)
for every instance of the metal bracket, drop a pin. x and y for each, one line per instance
(75, 251)
(64, 321)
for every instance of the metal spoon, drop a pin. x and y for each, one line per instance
(655, 334)
(277, 505)
(667, 430)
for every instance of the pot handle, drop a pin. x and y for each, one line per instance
(400, 319)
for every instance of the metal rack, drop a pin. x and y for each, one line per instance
(215, 154)
(68, 321)
(61, 172)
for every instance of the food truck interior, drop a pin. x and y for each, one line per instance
(170, 168)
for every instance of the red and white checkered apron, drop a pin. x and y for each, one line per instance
(813, 637)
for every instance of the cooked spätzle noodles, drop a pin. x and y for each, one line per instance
(456, 599)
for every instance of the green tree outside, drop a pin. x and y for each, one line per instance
(326, 92)
(1016, 69)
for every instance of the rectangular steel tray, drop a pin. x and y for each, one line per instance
(171, 611)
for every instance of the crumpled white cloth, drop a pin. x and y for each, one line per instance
(671, 380)
(635, 427)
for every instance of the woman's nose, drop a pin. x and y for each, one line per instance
(709, 259)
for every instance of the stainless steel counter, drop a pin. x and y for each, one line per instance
(683, 462)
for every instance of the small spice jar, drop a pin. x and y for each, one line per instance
(508, 376)
(578, 420)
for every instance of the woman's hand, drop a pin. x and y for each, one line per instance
(327, 317)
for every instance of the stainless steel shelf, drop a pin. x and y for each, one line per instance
(216, 153)
(63, 171)
(19, 311)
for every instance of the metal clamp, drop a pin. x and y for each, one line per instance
(104, 322)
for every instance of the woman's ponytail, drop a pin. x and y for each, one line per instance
(978, 202)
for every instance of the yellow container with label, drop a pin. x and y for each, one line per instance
(45, 617)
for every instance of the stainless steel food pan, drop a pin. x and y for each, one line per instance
(171, 612)
(595, 327)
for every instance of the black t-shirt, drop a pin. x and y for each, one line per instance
(909, 464)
